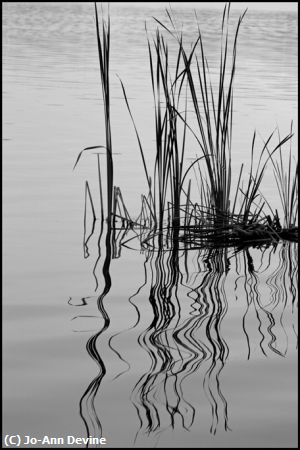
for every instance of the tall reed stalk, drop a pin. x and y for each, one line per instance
(103, 42)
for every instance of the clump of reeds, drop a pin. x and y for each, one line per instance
(214, 111)
(166, 185)
(222, 214)
(216, 216)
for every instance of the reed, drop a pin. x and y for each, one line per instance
(103, 42)
(88, 197)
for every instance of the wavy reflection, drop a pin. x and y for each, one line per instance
(182, 342)
(186, 339)
(270, 292)
(87, 409)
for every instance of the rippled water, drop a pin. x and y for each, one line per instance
(167, 348)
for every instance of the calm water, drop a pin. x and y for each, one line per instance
(194, 349)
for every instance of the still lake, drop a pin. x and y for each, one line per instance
(193, 350)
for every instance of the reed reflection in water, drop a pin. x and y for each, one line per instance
(186, 340)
